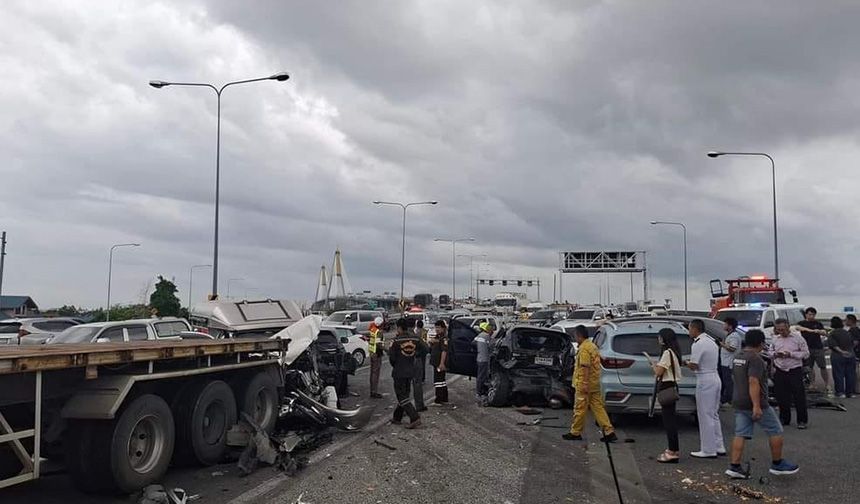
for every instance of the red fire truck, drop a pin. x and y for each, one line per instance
(747, 290)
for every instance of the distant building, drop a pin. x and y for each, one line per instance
(17, 306)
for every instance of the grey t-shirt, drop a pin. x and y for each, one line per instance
(734, 340)
(746, 365)
(482, 342)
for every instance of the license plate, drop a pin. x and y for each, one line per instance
(543, 361)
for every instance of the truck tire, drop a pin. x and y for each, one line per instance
(124, 454)
(203, 416)
(258, 397)
(499, 390)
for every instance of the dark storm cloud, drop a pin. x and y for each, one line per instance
(539, 127)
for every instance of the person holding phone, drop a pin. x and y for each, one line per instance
(789, 352)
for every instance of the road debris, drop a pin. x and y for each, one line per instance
(156, 494)
(716, 485)
(384, 445)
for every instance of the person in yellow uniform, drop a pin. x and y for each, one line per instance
(586, 383)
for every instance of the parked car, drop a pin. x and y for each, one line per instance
(762, 316)
(627, 380)
(567, 326)
(165, 328)
(546, 318)
(244, 319)
(360, 319)
(36, 331)
(355, 344)
(525, 362)
(588, 313)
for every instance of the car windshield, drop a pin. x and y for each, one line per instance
(539, 341)
(506, 302)
(745, 318)
(543, 314)
(760, 297)
(336, 317)
(75, 335)
(636, 343)
(582, 315)
(467, 320)
(343, 332)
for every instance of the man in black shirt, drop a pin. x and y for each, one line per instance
(438, 359)
(405, 348)
(812, 331)
(854, 331)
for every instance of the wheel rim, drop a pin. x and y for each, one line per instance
(263, 407)
(358, 355)
(214, 422)
(146, 444)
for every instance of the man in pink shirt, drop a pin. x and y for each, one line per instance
(789, 351)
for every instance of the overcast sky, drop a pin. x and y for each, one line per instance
(538, 126)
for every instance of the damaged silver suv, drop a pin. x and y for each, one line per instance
(526, 363)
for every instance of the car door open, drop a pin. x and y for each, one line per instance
(462, 355)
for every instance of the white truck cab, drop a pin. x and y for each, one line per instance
(762, 316)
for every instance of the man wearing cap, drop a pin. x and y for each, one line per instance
(482, 343)
(374, 347)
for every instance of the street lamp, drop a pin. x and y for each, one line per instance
(191, 280)
(110, 272)
(157, 84)
(667, 223)
(453, 243)
(715, 154)
(230, 281)
(471, 270)
(404, 206)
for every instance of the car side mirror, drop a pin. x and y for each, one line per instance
(768, 325)
(344, 339)
(102, 340)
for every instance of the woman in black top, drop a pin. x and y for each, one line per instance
(842, 359)
(668, 373)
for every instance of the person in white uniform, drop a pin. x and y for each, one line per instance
(704, 361)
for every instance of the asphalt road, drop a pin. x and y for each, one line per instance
(468, 454)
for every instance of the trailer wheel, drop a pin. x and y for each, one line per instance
(124, 454)
(258, 397)
(203, 416)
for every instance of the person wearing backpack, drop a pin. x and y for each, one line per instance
(668, 373)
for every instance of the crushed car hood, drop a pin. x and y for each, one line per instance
(300, 336)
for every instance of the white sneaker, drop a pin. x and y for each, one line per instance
(701, 454)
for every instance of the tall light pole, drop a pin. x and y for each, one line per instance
(110, 272)
(715, 154)
(191, 280)
(453, 243)
(404, 206)
(471, 270)
(280, 77)
(667, 223)
(230, 281)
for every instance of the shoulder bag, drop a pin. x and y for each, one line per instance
(669, 396)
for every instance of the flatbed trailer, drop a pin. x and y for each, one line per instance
(120, 413)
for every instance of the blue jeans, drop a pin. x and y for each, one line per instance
(844, 373)
(769, 422)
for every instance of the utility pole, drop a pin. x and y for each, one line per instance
(2, 259)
